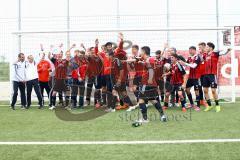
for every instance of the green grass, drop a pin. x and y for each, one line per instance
(43, 125)
(4, 71)
(225, 151)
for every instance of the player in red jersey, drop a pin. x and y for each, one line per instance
(167, 52)
(59, 85)
(82, 78)
(69, 78)
(193, 62)
(202, 54)
(74, 85)
(148, 91)
(210, 75)
(78, 76)
(135, 73)
(106, 82)
(177, 79)
(119, 74)
(61, 75)
(159, 63)
(93, 72)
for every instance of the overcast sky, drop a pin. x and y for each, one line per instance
(45, 8)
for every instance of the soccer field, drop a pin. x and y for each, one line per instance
(36, 125)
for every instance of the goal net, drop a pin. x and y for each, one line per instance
(28, 42)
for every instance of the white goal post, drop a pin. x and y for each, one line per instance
(24, 40)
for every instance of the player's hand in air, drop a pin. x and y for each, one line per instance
(120, 36)
(96, 42)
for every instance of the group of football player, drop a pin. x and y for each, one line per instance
(166, 77)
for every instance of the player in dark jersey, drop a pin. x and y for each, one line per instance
(193, 62)
(78, 76)
(202, 54)
(210, 75)
(135, 74)
(62, 69)
(167, 77)
(119, 74)
(148, 90)
(159, 63)
(177, 80)
(59, 85)
(106, 74)
(93, 72)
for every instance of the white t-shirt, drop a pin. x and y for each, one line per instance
(31, 71)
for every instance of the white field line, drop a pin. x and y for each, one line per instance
(121, 142)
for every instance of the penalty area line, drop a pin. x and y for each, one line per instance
(120, 142)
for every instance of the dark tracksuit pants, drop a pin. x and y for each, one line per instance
(107, 82)
(60, 96)
(96, 81)
(77, 86)
(44, 85)
(21, 87)
(30, 85)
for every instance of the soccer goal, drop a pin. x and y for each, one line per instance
(181, 38)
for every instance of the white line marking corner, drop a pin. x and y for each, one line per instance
(120, 142)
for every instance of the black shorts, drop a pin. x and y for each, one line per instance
(107, 82)
(201, 79)
(104, 80)
(176, 87)
(137, 80)
(59, 85)
(148, 93)
(97, 81)
(209, 80)
(160, 84)
(120, 87)
(168, 86)
(69, 83)
(193, 82)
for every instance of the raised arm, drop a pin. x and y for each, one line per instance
(120, 36)
(73, 46)
(120, 46)
(51, 57)
(164, 52)
(96, 46)
(60, 45)
(41, 47)
(223, 52)
(82, 45)
(51, 48)
(191, 65)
